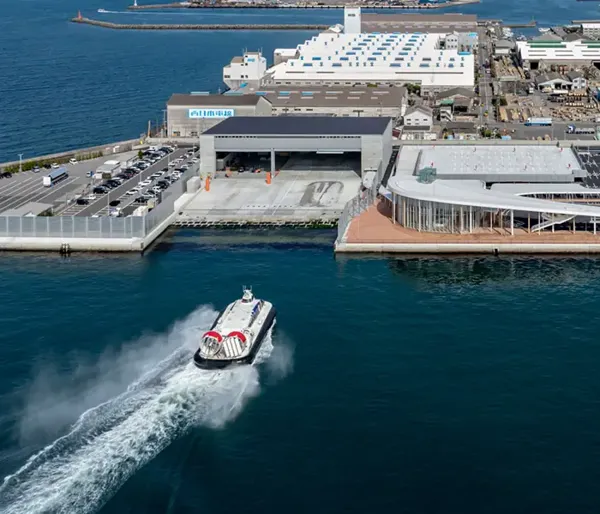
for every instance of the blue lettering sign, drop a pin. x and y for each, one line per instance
(210, 113)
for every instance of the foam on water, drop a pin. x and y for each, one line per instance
(80, 471)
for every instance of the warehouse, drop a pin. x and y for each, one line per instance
(191, 114)
(314, 139)
(569, 53)
(388, 102)
(375, 59)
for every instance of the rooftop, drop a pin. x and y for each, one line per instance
(431, 23)
(335, 96)
(351, 58)
(559, 50)
(500, 160)
(299, 125)
(202, 100)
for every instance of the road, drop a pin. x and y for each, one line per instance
(119, 192)
(485, 80)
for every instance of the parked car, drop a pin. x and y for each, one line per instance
(157, 189)
(91, 197)
(55, 166)
(47, 166)
(6, 174)
(72, 160)
(146, 182)
(114, 203)
(82, 201)
(36, 169)
(99, 190)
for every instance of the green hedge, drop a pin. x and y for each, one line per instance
(29, 165)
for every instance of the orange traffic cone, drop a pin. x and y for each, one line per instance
(207, 184)
(268, 177)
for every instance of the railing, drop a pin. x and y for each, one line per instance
(357, 205)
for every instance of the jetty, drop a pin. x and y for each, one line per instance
(130, 26)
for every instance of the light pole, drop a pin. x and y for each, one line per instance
(20, 162)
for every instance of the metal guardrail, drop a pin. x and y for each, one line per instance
(357, 205)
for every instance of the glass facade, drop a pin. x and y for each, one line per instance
(427, 216)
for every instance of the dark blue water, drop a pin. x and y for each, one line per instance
(67, 86)
(461, 385)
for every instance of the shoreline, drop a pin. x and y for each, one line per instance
(177, 26)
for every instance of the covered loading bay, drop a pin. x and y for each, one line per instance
(298, 141)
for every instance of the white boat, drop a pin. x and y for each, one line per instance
(102, 11)
(544, 30)
(237, 334)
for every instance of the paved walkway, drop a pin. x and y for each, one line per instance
(375, 226)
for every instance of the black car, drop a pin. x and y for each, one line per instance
(6, 174)
(82, 201)
(100, 190)
(114, 203)
(47, 167)
(141, 199)
(163, 184)
(111, 184)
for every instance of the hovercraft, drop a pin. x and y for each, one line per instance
(237, 334)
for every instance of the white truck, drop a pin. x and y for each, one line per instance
(107, 170)
(142, 210)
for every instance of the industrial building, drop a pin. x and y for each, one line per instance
(274, 140)
(500, 190)
(246, 69)
(188, 115)
(568, 53)
(388, 102)
(330, 59)
(591, 30)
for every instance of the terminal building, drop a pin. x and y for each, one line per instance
(498, 189)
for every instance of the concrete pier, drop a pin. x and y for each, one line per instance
(128, 26)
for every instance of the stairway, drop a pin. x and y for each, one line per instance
(552, 219)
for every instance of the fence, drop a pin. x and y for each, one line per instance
(71, 227)
(101, 227)
(268, 215)
(356, 206)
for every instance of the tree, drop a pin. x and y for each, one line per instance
(140, 155)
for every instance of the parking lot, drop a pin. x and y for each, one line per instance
(99, 204)
(27, 186)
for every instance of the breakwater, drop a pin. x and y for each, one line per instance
(251, 5)
(130, 26)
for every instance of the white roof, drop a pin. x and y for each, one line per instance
(498, 160)
(289, 52)
(559, 50)
(469, 193)
(590, 25)
(541, 188)
(378, 57)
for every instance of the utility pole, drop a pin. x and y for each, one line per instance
(20, 162)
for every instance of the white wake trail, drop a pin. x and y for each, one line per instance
(82, 470)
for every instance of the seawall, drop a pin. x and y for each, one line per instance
(128, 26)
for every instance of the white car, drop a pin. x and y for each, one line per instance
(73, 161)
(133, 191)
(90, 197)
(55, 165)
(195, 159)
(172, 163)
(156, 189)
(146, 182)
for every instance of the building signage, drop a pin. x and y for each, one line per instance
(210, 113)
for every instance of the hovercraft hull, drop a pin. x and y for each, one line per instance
(204, 363)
